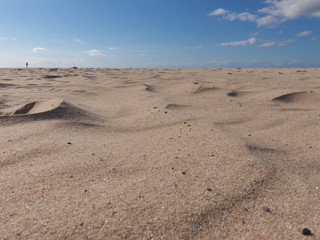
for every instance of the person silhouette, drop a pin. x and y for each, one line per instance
(27, 64)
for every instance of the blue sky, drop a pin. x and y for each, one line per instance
(160, 33)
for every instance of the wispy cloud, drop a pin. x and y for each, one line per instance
(142, 55)
(276, 44)
(95, 53)
(250, 41)
(112, 48)
(197, 47)
(304, 33)
(7, 38)
(275, 13)
(78, 40)
(231, 16)
(39, 49)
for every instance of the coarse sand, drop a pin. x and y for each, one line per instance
(160, 153)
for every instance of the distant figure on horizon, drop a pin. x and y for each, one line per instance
(27, 64)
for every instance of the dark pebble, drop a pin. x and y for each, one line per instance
(266, 209)
(85, 190)
(184, 173)
(69, 143)
(306, 232)
(209, 189)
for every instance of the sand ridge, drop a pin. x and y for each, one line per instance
(159, 153)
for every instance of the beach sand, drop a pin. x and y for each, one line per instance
(159, 153)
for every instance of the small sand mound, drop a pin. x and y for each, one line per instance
(202, 89)
(51, 76)
(149, 88)
(176, 106)
(49, 110)
(235, 93)
(38, 107)
(298, 97)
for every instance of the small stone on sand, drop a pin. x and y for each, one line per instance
(306, 232)
(266, 209)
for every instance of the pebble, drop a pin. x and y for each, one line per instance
(266, 209)
(209, 189)
(184, 173)
(306, 232)
(69, 143)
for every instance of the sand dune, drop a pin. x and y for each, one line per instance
(39, 107)
(159, 153)
(49, 110)
(299, 97)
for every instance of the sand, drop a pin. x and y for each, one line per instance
(159, 153)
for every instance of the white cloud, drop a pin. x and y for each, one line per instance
(250, 41)
(276, 12)
(217, 12)
(95, 53)
(78, 40)
(245, 16)
(291, 9)
(38, 49)
(142, 55)
(112, 48)
(231, 16)
(304, 33)
(276, 44)
(269, 20)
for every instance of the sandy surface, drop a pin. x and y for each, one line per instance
(159, 153)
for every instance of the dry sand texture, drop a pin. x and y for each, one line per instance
(159, 153)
